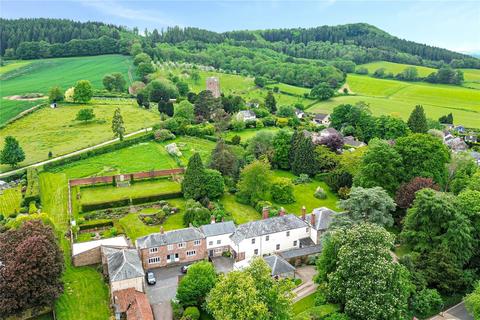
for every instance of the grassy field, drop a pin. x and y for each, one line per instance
(472, 78)
(304, 304)
(86, 294)
(396, 68)
(40, 75)
(140, 157)
(10, 201)
(12, 65)
(56, 130)
(138, 189)
(241, 213)
(247, 134)
(399, 98)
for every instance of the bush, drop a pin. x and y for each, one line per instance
(191, 313)
(262, 204)
(236, 139)
(177, 310)
(148, 220)
(320, 193)
(302, 178)
(426, 303)
(261, 112)
(163, 135)
(214, 184)
(32, 208)
(344, 192)
(269, 121)
(237, 125)
(282, 122)
(282, 191)
(32, 193)
(96, 224)
(337, 316)
(113, 231)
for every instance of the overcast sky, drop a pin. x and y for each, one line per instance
(449, 24)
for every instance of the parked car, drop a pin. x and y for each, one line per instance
(150, 278)
(184, 269)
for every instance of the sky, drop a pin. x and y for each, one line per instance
(454, 25)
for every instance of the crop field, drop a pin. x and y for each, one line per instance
(40, 75)
(472, 78)
(12, 65)
(10, 200)
(140, 157)
(138, 189)
(57, 131)
(396, 68)
(399, 98)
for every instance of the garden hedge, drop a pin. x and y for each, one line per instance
(102, 150)
(126, 202)
(32, 193)
(96, 224)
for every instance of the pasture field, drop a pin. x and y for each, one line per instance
(140, 157)
(399, 98)
(10, 201)
(57, 131)
(12, 65)
(138, 189)
(472, 78)
(40, 75)
(396, 68)
(86, 293)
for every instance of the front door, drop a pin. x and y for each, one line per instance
(176, 257)
(169, 258)
(210, 253)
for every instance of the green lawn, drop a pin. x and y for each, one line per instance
(10, 200)
(138, 189)
(56, 130)
(140, 157)
(396, 68)
(304, 304)
(289, 89)
(86, 293)
(304, 195)
(40, 75)
(249, 133)
(241, 213)
(135, 228)
(399, 98)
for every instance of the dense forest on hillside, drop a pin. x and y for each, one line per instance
(354, 43)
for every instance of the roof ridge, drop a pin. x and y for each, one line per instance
(118, 269)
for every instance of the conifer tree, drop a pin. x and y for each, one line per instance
(270, 102)
(118, 127)
(304, 156)
(192, 185)
(12, 153)
(417, 122)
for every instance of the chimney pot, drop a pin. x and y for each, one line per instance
(212, 219)
(282, 211)
(312, 219)
(265, 213)
(161, 230)
(304, 213)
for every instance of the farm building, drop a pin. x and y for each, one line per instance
(246, 115)
(131, 304)
(321, 119)
(87, 253)
(123, 268)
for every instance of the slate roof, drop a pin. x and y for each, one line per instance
(301, 252)
(215, 229)
(123, 264)
(267, 226)
(278, 265)
(323, 218)
(170, 237)
(351, 141)
(247, 113)
(81, 247)
(320, 116)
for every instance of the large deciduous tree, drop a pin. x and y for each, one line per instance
(12, 153)
(322, 92)
(472, 302)
(406, 193)
(372, 205)
(205, 105)
(261, 145)
(197, 283)
(31, 268)
(224, 160)
(363, 257)
(55, 94)
(85, 115)
(381, 166)
(184, 111)
(417, 122)
(281, 145)
(161, 90)
(83, 91)
(254, 183)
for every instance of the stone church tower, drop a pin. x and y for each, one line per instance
(213, 85)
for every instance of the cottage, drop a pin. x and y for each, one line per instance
(299, 113)
(124, 269)
(471, 138)
(217, 236)
(456, 144)
(87, 253)
(352, 141)
(173, 247)
(280, 267)
(246, 115)
(321, 119)
(269, 235)
(131, 304)
(476, 156)
(459, 129)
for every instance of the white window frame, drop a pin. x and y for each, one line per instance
(170, 247)
(191, 253)
(181, 245)
(154, 260)
(255, 252)
(288, 233)
(196, 242)
(295, 242)
(219, 241)
(217, 250)
(253, 240)
(210, 243)
(277, 247)
(153, 250)
(267, 238)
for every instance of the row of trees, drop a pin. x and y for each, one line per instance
(445, 75)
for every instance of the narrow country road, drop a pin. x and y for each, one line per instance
(8, 173)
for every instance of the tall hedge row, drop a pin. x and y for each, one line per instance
(32, 193)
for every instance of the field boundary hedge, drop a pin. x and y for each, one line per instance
(128, 201)
(32, 193)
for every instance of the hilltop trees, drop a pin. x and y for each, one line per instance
(322, 92)
(83, 91)
(118, 127)
(417, 122)
(11, 153)
(32, 266)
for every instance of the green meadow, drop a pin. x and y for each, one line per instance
(40, 75)
(57, 131)
(399, 98)
(395, 68)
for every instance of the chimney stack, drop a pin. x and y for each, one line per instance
(161, 230)
(265, 213)
(312, 218)
(223, 219)
(304, 213)
(281, 213)
(212, 219)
